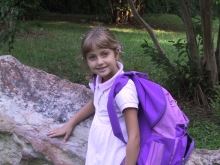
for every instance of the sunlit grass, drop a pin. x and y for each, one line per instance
(55, 47)
(125, 30)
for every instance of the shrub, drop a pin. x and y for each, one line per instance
(215, 101)
(10, 12)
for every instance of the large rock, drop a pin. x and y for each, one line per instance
(32, 102)
(204, 157)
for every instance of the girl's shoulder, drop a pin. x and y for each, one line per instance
(128, 91)
(127, 96)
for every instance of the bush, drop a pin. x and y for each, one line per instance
(215, 101)
(8, 16)
(10, 12)
(205, 133)
(182, 79)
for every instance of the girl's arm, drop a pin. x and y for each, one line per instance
(86, 111)
(132, 148)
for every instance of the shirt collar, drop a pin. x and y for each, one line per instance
(107, 84)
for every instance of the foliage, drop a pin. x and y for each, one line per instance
(195, 70)
(29, 8)
(205, 132)
(112, 11)
(98, 8)
(160, 63)
(9, 15)
(10, 12)
(168, 7)
(158, 6)
(215, 101)
(217, 8)
(182, 80)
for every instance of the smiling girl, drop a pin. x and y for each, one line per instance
(101, 52)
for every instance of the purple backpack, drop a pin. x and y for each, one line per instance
(163, 126)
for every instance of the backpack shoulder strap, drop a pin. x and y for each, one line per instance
(118, 84)
(151, 99)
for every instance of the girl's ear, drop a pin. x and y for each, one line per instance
(117, 56)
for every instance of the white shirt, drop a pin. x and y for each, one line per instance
(103, 147)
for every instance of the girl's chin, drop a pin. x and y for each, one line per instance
(103, 73)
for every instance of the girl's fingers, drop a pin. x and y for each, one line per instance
(51, 134)
(54, 133)
(65, 138)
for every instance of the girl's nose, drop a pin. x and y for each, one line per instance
(99, 60)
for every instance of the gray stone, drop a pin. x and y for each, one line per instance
(10, 151)
(204, 157)
(32, 102)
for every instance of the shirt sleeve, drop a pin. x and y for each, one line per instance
(127, 97)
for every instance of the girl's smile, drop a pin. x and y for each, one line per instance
(103, 62)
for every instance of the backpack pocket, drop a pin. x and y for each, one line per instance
(156, 151)
(184, 147)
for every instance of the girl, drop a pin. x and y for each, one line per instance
(101, 51)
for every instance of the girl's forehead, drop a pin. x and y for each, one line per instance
(98, 50)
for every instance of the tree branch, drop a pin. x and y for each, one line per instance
(190, 34)
(150, 31)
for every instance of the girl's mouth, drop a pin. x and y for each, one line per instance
(102, 69)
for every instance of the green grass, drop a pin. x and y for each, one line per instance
(165, 21)
(205, 133)
(55, 48)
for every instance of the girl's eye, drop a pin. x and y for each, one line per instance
(91, 57)
(105, 54)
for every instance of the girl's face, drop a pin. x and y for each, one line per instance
(103, 62)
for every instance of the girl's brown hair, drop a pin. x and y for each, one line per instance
(99, 37)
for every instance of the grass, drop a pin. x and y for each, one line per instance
(55, 48)
(165, 21)
(206, 134)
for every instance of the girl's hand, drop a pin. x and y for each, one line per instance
(65, 131)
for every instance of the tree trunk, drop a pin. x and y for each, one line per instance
(111, 10)
(190, 35)
(209, 55)
(147, 27)
(199, 97)
(217, 52)
(150, 32)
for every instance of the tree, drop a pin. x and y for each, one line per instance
(217, 52)
(121, 12)
(9, 15)
(10, 12)
(203, 63)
